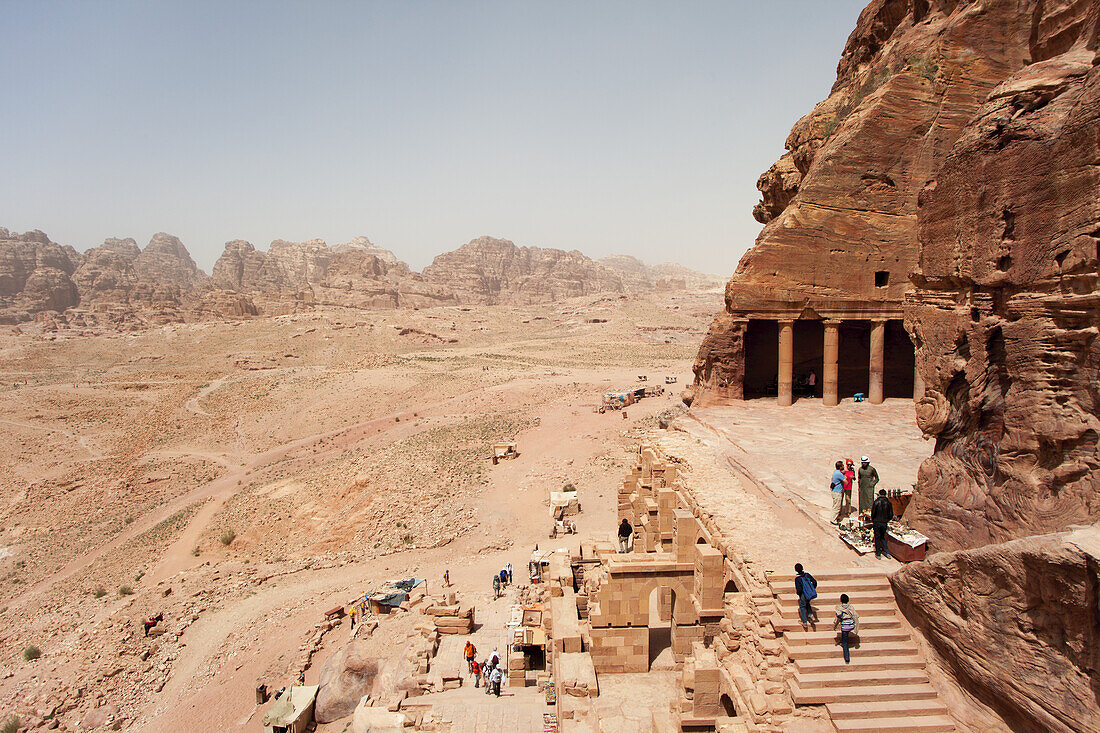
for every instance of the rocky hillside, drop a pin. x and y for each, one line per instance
(638, 277)
(119, 284)
(490, 270)
(958, 150)
(35, 276)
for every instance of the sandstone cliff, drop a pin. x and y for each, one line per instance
(119, 273)
(296, 275)
(488, 270)
(1007, 304)
(958, 152)
(841, 204)
(35, 276)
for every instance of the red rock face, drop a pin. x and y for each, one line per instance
(1007, 307)
(35, 276)
(841, 205)
(1018, 623)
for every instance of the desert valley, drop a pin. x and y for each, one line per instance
(295, 493)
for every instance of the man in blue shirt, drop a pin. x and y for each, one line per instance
(837, 487)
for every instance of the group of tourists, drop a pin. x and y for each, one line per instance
(500, 579)
(845, 477)
(488, 671)
(845, 619)
(880, 510)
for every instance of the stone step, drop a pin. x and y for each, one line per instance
(793, 624)
(818, 651)
(919, 724)
(878, 693)
(835, 662)
(839, 586)
(861, 678)
(884, 709)
(787, 576)
(865, 610)
(830, 599)
(866, 637)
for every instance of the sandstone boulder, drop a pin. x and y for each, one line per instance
(345, 678)
(1019, 624)
(376, 720)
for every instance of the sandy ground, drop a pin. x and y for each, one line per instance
(242, 478)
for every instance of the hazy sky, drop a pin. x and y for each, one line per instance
(609, 127)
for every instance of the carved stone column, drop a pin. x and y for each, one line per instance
(786, 363)
(878, 359)
(829, 395)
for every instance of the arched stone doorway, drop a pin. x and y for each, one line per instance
(662, 627)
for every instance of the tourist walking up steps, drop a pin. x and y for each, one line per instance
(475, 670)
(496, 677)
(848, 621)
(836, 485)
(508, 567)
(496, 586)
(625, 532)
(805, 585)
(868, 480)
(882, 511)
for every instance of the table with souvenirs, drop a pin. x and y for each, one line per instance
(904, 543)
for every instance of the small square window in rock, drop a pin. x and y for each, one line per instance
(882, 279)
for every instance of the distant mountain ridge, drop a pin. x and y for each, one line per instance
(121, 284)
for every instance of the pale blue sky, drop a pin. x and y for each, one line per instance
(609, 127)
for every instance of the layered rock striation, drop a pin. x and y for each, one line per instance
(1017, 621)
(1007, 303)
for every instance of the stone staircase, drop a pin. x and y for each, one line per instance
(886, 686)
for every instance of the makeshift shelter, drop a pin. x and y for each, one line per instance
(292, 712)
(504, 451)
(389, 596)
(564, 503)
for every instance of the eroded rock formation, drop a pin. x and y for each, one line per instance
(638, 277)
(487, 270)
(958, 154)
(35, 276)
(1019, 622)
(840, 207)
(1007, 305)
(345, 677)
(121, 285)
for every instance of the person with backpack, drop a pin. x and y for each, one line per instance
(470, 652)
(496, 586)
(805, 585)
(848, 621)
(475, 670)
(496, 678)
